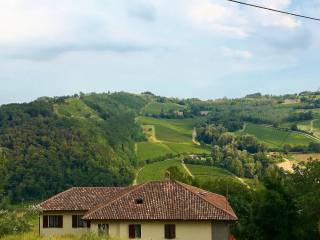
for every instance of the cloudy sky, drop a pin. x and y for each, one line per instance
(184, 48)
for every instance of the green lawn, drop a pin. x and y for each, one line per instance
(275, 137)
(148, 150)
(156, 171)
(156, 107)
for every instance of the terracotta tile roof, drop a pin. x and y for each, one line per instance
(165, 200)
(81, 198)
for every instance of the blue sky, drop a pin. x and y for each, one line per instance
(184, 48)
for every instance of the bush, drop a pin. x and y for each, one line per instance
(15, 222)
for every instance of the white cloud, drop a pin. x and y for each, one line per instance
(218, 18)
(237, 54)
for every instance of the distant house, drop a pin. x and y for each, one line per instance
(292, 101)
(154, 210)
(179, 113)
(204, 113)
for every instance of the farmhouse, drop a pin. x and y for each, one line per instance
(155, 210)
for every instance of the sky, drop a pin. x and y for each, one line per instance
(183, 48)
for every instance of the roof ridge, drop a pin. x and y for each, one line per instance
(53, 197)
(114, 199)
(200, 196)
(100, 187)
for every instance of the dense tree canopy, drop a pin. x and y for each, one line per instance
(49, 145)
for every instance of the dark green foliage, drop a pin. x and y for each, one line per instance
(14, 222)
(286, 208)
(301, 116)
(178, 175)
(311, 148)
(250, 144)
(42, 152)
(305, 189)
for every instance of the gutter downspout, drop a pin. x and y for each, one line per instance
(39, 224)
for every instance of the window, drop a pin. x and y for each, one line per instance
(139, 201)
(103, 229)
(52, 221)
(134, 231)
(77, 222)
(169, 231)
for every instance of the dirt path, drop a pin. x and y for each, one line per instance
(286, 165)
(243, 128)
(187, 169)
(312, 125)
(136, 148)
(239, 179)
(135, 181)
(194, 137)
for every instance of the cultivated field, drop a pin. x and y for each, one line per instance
(168, 136)
(148, 150)
(275, 137)
(205, 173)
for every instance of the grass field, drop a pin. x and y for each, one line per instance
(74, 107)
(275, 137)
(148, 150)
(312, 126)
(156, 171)
(207, 173)
(200, 170)
(167, 136)
(156, 107)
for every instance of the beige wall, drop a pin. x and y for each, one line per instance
(67, 225)
(220, 231)
(154, 230)
(150, 230)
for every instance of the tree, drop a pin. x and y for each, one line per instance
(305, 187)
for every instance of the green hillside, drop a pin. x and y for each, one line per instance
(156, 171)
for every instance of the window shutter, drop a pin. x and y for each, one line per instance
(74, 221)
(60, 221)
(169, 231)
(137, 231)
(131, 231)
(45, 221)
(173, 231)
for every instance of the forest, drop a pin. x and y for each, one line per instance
(46, 149)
